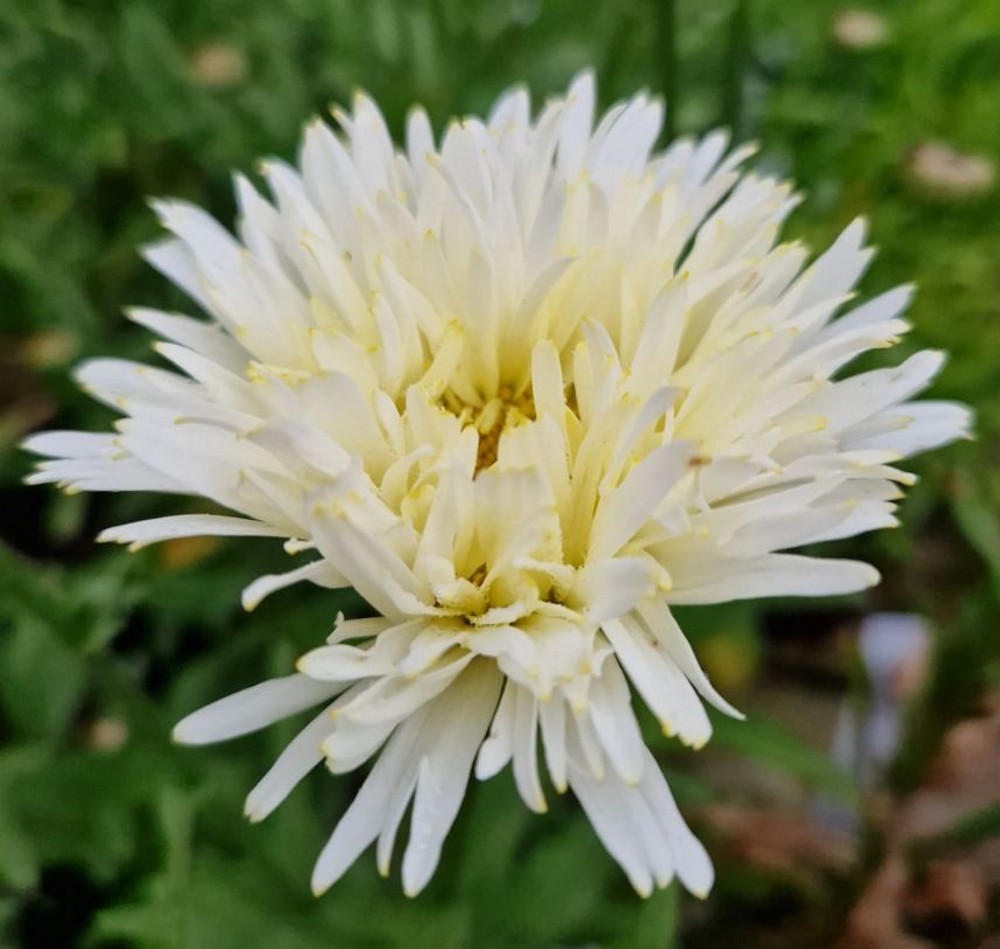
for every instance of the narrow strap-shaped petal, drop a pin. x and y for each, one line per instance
(254, 708)
(292, 765)
(140, 533)
(461, 719)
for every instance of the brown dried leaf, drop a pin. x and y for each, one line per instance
(780, 842)
(955, 888)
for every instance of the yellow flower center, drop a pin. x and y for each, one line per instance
(492, 418)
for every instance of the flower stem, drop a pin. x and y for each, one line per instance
(666, 47)
(735, 66)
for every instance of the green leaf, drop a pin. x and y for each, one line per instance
(535, 917)
(969, 830)
(977, 500)
(43, 680)
(655, 925)
(20, 860)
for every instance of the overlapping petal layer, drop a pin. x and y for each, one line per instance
(523, 389)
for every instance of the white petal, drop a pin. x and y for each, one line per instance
(395, 698)
(770, 575)
(104, 474)
(611, 588)
(660, 683)
(839, 268)
(363, 820)
(610, 710)
(602, 802)
(140, 533)
(318, 572)
(176, 262)
(252, 709)
(68, 444)
(552, 719)
(395, 809)
(379, 657)
(460, 720)
(669, 635)
(207, 339)
(577, 121)
(293, 764)
(912, 427)
(642, 829)
(692, 863)
(498, 748)
(623, 510)
(350, 744)
(525, 744)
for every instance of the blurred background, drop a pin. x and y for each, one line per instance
(858, 804)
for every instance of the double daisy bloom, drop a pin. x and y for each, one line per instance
(524, 388)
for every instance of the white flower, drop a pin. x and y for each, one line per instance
(523, 391)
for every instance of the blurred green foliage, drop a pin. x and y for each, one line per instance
(109, 836)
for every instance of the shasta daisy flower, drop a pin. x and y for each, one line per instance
(524, 390)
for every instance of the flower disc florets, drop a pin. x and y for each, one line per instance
(523, 390)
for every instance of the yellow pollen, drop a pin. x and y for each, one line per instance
(491, 419)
